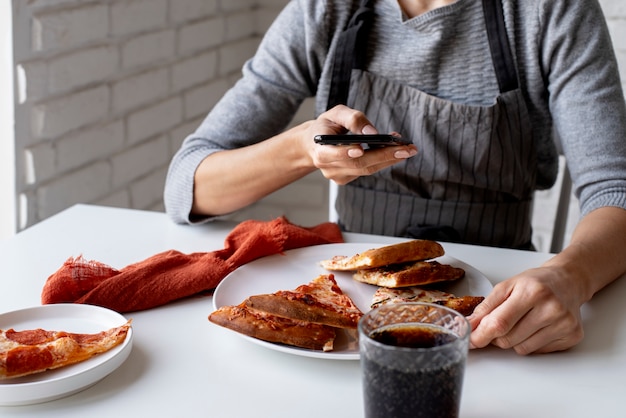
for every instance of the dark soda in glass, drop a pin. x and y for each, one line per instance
(421, 375)
(413, 360)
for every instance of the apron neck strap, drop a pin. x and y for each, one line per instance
(350, 52)
(499, 46)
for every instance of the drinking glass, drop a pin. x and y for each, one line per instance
(413, 360)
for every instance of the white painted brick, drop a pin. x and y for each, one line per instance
(233, 78)
(199, 101)
(258, 211)
(154, 120)
(617, 29)
(59, 116)
(264, 19)
(31, 78)
(305, 112)
(621, 61)
(89, 145)
(182, 10)
(39, 163)
(178, 134)
(613, 8)
(129, 17)
(304, 193)
(82, 186)
(235, 5)
(264, 210)
(140, 160)
(157, 207)
(307, 216)
(201, 35)
(240, 26)
(82, 67)
(273, 3)
(149, 48)
(27, 209)
(70, 27)
(48, 3)
(197, 70)
(148, 191)
(119, 199)
(233, 55)
(139, 89)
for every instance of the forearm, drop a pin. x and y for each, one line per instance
(596, 254)
(229, 180)
(232, 179)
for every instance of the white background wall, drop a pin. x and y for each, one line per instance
(7, 133)
(107, 89)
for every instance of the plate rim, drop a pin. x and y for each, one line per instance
(330, 355)
(48, 389)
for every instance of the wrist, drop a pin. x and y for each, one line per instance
(300, 146)
(576, 271)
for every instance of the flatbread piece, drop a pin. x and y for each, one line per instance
(409, 274)
(27, 352)
(462, 304)
(415, 250)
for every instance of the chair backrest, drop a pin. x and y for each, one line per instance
(332, 196)
(559, 229)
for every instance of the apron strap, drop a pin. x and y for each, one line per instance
(499, 45)
(350, 53)
(352, 47)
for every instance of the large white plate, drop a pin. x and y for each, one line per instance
(54, 384)
(299, 266)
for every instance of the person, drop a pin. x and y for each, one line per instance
(487, 91)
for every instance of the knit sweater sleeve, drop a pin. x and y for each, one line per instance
(585, 99)
(283, 72)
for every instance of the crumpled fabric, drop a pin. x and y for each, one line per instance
(172, 275)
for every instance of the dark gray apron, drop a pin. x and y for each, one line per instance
(474, 176)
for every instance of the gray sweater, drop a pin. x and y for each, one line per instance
(564, 57)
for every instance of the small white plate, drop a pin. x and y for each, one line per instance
(58, 383)
(299, 266)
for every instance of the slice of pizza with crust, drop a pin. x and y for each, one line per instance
(320, 301)
(404, 252)
(462, 304)
(33, 351)
(273, 328)
(409, 274)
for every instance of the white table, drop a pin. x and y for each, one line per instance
(210, 371)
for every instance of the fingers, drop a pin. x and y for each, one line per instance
(495, 317)
(342, 118)
(343, 164)
(545, 328)
(526, 316)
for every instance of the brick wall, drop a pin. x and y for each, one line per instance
(107, 90)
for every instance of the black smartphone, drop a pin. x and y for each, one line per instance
(376, 140)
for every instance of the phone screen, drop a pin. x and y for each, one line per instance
(376, 140)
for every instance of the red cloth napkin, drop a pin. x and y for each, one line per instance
(172, 275)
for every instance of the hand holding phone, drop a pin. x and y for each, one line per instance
(371, 141)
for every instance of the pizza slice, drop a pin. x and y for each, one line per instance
(462, 304)
(273, 328)
(320, 301)
(409, 274)
(415, 250)
(33, 351)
